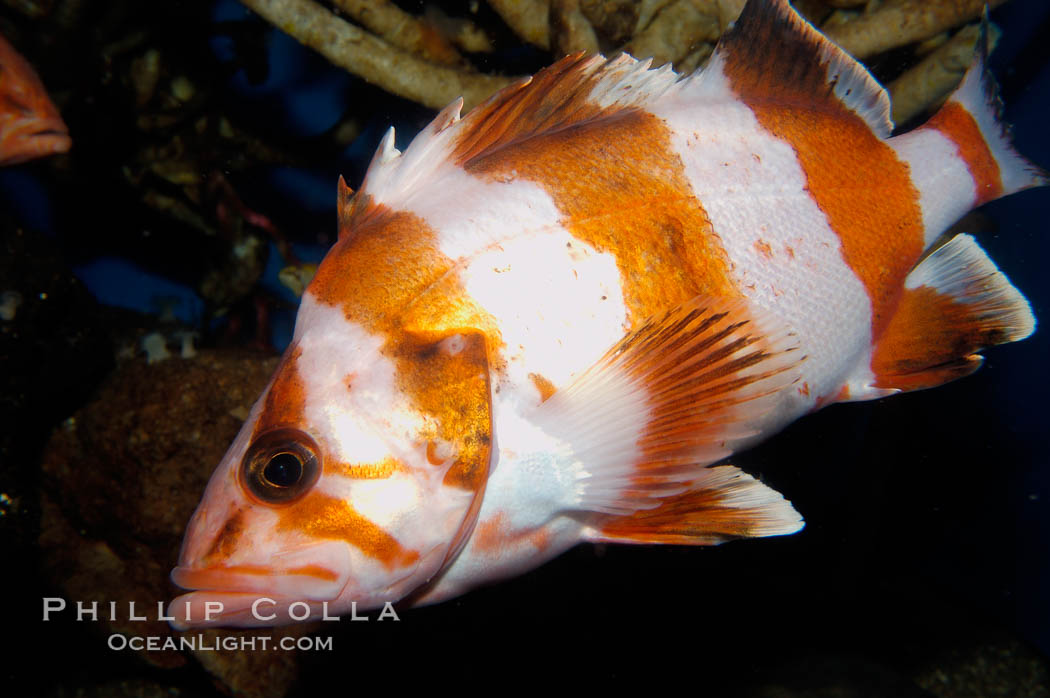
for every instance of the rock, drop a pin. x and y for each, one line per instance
(1000, 666)
(121, 480)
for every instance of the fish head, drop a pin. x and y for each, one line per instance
(30, 124)
(355, 479)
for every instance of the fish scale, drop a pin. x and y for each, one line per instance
(550, 322)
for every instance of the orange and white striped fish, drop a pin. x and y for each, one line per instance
(550, 321)
(30, 125)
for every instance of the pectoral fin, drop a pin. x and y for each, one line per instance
(642, 426)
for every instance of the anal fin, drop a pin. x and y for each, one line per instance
(640, 428)
(725, 503)
(955, 303)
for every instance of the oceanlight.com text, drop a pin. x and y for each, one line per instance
(202, 643)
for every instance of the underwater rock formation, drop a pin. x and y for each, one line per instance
(121, 478)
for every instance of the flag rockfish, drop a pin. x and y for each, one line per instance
(30, 125)
(551, 320)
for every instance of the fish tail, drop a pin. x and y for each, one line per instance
(955, 301)
(972, 120)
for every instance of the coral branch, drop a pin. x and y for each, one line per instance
(647, 10)
(570, 30)
(528, 19)
(392, 24)
(901, 22)
(929, 82)
(676, 30)
(728, 11)
(462, 32)
(615, 20)
(374, 59)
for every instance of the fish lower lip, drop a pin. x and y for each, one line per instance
(313, 583)
(50, 131)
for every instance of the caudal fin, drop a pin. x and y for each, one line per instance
(971, 119)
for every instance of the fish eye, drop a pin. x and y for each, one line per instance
(280, 466)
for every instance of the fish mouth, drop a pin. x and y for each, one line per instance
(313, 582)
(294, 587)
(33, 138)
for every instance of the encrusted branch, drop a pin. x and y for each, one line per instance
(570, 30)
(677, 29)
(929, 82)
(373, 59)
(527, 18)
(901, 22)
(392, 24)
(415, 57)
(461, 31)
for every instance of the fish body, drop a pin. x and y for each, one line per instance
(550, 321)
(30, 125)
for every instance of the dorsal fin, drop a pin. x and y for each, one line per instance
(772, 54)
(573, 90)
(344, 205)
(553, 98)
